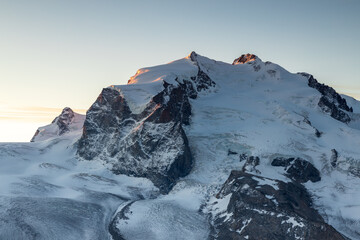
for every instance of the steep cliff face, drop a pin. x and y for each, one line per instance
(149, 143)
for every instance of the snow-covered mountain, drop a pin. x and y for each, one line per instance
(193, 149)
(67, 121)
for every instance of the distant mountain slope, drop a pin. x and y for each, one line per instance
(67, 121)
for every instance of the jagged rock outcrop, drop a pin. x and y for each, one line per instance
(202, 81)
(245, 58)
(330, 102)
(253, 207)
(334, 158)
(151, 143)
(298, 169)
(250, 164)
(64, 119)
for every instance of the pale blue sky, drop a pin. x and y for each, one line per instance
(61, 53)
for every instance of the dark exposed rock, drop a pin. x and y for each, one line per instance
(245, 58)
(318, 133)
(36, 134)
(135, 144)
(202, 81)
(298, 169)
(104, 117)
(330, 102)
(176, 109)
(334, 158)
(261, 208)
(149, 144)
(282, 162)
(271, 72)
(251, 59)
(193, 56)
(231, 152)
(243, 157)
(327, 106)
(64, 120)
(250, 164)
(189, 88)
(329, 92)
(307, 121)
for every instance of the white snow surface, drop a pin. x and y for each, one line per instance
(46, 193)
(258, 113)
(147, 82)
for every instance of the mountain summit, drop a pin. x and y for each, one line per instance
(245, 58)
(195, 149)
(67, 121)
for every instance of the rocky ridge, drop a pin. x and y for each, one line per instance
(330, 102)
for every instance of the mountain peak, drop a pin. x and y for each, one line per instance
(67, 121)
(65, 118)
(192, 56)
(245, 58)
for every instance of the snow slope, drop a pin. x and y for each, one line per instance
(147, 82)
